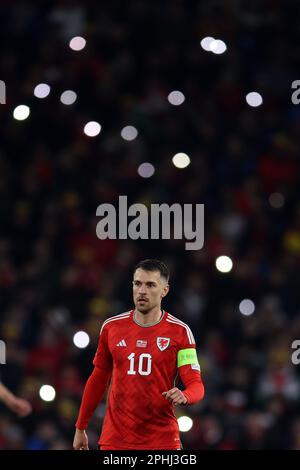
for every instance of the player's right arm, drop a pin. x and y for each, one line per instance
(93, 391)
(17, 405)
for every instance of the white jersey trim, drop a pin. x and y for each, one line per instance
(188, 329)
(121, 316)
(189, 333)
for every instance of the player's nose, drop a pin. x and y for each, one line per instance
(142, 289)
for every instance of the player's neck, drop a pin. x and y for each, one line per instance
(153, 316)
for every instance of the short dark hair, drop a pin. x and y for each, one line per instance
(154, 265)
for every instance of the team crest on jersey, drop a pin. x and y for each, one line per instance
(162, 343)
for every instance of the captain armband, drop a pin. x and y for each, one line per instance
(188, 356)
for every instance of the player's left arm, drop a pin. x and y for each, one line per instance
(190, 375)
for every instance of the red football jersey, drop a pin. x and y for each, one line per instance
(143, 359)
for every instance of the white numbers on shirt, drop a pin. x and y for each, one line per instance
(144, 365)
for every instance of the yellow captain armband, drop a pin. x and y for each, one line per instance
(187, 356)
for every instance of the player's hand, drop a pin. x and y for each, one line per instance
(19, 406)
(175, 396)
(81, 441)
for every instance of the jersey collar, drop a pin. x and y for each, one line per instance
(150, 324)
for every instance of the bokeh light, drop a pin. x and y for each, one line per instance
(217, 46)
(92, 128)
(181, 160)
(129, 133)
(81, 339)
(21, 112)
(47, 393)
(254, 99)
(247, 307)
(176, 98)
(206, 43)
(224, 264)
(68, 97)
(42, 90)
(146, 170)
(77, 43)
(276, 200)
(185, 423)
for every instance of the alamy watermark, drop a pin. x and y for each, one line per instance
(296, 94)
(2, 92)
(296, 354)
(2, 352)
(187, 222)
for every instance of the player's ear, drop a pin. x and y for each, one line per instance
(165, 290)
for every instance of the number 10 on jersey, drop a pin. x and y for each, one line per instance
(144, 364)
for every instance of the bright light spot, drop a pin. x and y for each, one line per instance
(224, 264)
(146, 170)
(246, 307)
(77, 43)
(47, 393)
(21, 112)
(181, 160)
(176, 98)
(217, 46)
(254, 99)
(185, 423)
(206, 42)
(129, 133)
(41, 90)
(276, 200)
(81, 339)
(68, 97)
(92, 128)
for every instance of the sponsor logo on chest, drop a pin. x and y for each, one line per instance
(141, 343)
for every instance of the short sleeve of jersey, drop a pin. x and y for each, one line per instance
(103, 358)
(186, 339)
(187, 354)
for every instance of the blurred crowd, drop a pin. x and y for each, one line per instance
(56, 277)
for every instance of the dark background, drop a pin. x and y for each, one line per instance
(56, 277)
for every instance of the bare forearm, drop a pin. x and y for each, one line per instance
(5, 395)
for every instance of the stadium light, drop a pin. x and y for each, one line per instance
(68, 97)
(77, 43)
(21, 112)
(176, 98)
(185, 423)
(246, 307)
(276, 200)
(47, 393)
(42, 90)
(129, 133)
(181, 160)
(217, 46)
(92, 128)
(206, 42)
(254, 99)
(224, 264)
(81, 339)
(146, 170)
